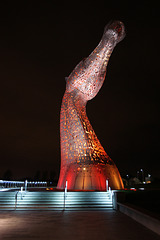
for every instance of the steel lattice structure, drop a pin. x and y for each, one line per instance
(84, 162)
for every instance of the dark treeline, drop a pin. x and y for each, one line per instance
(49, 176)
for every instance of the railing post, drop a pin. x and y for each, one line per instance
(66, 187)
(115, 207)
(26, 185)
(65, 191)
(21, 193)
(110, 193)
(106, 185)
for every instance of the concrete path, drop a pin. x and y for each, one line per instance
(68, 225)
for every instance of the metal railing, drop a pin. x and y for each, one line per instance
(107, 185)
(17, 184)
(65, 194)
(22, 195)
(110, 194)
(108, 189)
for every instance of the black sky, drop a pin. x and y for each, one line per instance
(40, 44)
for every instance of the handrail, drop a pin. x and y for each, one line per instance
(66, 187)
(16, 184)
(21, 196)
(110, 193)
(16, 196)
(108, 189)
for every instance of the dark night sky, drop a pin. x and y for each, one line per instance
(40, 44)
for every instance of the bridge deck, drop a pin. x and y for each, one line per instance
(89, 225)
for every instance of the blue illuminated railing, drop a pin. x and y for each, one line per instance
(18, 184)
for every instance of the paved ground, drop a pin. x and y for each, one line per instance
(77, 225)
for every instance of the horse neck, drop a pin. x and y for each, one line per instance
(78, 139)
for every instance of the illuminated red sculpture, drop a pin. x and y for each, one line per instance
(84, 163)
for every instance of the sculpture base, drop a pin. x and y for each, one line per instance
(90, 177)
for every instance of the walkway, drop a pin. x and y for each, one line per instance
(68, 225)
